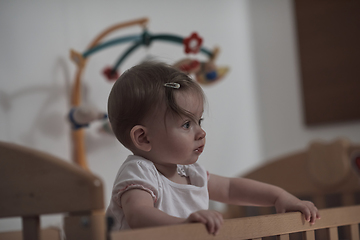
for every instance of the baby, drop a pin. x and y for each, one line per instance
(156, 112)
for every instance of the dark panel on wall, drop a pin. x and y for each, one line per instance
(328, 34)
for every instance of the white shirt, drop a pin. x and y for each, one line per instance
(178, 200)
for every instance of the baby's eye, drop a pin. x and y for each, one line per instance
(200, 121)
(186, 125)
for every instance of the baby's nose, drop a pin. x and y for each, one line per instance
(201, 134)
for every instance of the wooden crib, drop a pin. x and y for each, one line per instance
(33, 183)
(327, 173)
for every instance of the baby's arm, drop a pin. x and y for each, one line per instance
(241, 191)
(139, 210)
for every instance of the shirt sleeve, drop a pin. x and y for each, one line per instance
(136, 174)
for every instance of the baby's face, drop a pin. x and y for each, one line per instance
(180, 139)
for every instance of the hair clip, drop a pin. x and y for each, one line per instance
(172, 85)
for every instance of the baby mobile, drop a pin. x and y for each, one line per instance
(81, 115)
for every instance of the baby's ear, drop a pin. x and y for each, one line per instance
(139, 137)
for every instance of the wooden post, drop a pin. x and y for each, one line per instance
(309, 235)
(354, 231)
(283, 237)
(333, 233)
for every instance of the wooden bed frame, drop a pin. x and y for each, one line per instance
(325, 173)
(33, 183)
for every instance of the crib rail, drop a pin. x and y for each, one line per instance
(280, 225)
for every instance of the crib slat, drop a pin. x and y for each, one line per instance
(309, 235)
(333, 233)
(283, 237)
(354, 228)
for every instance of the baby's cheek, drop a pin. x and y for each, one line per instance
(179, 145)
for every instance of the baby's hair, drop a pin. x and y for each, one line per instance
(140, 90)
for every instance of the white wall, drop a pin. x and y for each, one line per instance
(254, 113)
(278, 92)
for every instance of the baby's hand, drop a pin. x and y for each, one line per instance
(212, 220)
(289, 203)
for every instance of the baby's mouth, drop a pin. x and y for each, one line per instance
(200, 149)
